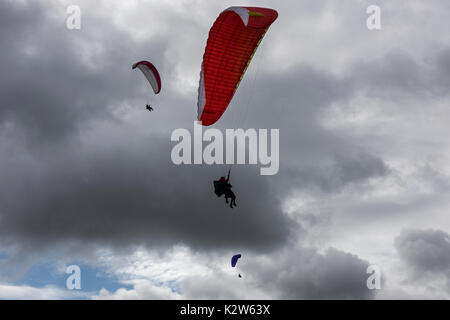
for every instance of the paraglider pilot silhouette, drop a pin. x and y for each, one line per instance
(223, 187)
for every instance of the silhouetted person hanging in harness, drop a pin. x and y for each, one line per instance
(148, 107)
(223, 187)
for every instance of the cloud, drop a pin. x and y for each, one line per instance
(425, 251)
(125, 194)
(292, 273)
(14, 292)
(301, 273)
(423, 269)
(344, 172)
(140, 291)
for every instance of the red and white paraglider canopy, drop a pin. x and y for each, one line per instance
(151, 73)
(232, 42)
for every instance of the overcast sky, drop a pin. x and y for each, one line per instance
(86, 176)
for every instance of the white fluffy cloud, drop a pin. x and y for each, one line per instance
(24, 292)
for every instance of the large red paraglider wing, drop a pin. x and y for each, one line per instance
(151, 73)
(232, 42)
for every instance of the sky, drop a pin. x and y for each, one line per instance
(86, 176)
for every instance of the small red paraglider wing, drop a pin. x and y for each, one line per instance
(232, 42)
(151, 73)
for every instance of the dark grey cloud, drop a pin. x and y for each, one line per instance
(425, 251)
(425, 257)
(312, 156)
(443, 70)
(55, 81)
(301, 273)
(132, 194)
(343, 172)
(398, 75)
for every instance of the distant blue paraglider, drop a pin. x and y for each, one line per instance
(235, 259)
